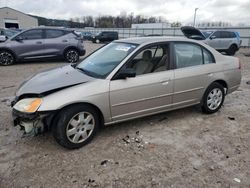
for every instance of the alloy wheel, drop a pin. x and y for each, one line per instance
(6, 58)
(80, 127)
(214, 99)
(72, 56)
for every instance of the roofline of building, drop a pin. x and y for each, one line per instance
(19, 12)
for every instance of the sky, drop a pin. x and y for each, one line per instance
(232, 11)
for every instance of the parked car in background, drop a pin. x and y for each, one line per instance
(86, 35)
(222, 40)
(7, 33)
(105, 36)
(40, 43)
(123, 80)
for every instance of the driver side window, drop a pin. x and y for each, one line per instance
(32, 34)
(151, 59)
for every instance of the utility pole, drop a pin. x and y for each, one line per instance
(195, 10)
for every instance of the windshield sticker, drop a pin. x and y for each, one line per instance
(123, 48)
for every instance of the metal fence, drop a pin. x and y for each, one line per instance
(136, 32)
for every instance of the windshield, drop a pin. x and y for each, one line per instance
(103, 61)
(207, 33)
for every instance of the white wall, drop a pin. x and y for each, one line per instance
(22, 19)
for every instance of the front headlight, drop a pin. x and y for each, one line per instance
(28, 105)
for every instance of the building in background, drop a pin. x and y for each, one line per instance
(151, 25)
(11, 18)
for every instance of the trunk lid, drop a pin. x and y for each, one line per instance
(192, 33)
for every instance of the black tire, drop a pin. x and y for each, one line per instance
(62, 129)
(232, 50)
(213, 105)
(6, 58)
(71, 55)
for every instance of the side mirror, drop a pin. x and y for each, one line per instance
(125, 73)
(19, 38)
(213, 37)
(3, 38)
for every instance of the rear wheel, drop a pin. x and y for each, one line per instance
(6, 58)
(71, 55)
(76, 126)
(213, 98)
(232, 50)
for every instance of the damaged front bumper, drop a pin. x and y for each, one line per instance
(33, 123)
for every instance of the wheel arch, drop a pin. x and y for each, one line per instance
(222, 82)
(9, 50)
(56, 116)
(70, 47)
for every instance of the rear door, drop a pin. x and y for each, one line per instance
(147, 93)
(226, 39)
(54, 42)
(31, 44)
(193, 71)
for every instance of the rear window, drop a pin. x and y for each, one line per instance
(227, 34)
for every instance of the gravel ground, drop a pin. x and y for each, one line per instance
(182, 148)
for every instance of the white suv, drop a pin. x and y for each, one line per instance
(223, 41)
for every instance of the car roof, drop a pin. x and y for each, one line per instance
(145, 40)
(55, 28)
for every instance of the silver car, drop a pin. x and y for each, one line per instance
(221, 40)
(123, 80)
(40, 43)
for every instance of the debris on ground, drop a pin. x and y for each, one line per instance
(231, 118)
(91, 180)
(135, 140)
(104, 162)
(237, 180)
(126, 139)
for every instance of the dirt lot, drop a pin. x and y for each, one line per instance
(183, 148)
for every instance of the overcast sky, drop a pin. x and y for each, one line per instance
(173, 10)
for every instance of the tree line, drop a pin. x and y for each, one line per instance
(122, 21)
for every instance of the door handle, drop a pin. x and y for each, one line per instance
(165, 81)
(39, 42)
(210, 74)
(65, 41)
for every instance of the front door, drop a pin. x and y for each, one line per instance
(29, 44)
(147, 93)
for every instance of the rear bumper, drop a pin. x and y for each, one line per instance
(33, 123)
(82, 52)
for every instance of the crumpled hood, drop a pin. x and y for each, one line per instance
(54, 79)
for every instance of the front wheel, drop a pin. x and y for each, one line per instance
(97, 41)
(213, 98)
(71, 55)
(76, 126)
(6, 58)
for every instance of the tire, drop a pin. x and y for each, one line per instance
(71, 55)
(71, 130)
(213, 98)
(232, 50)
(97, 41)
(6, 58)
